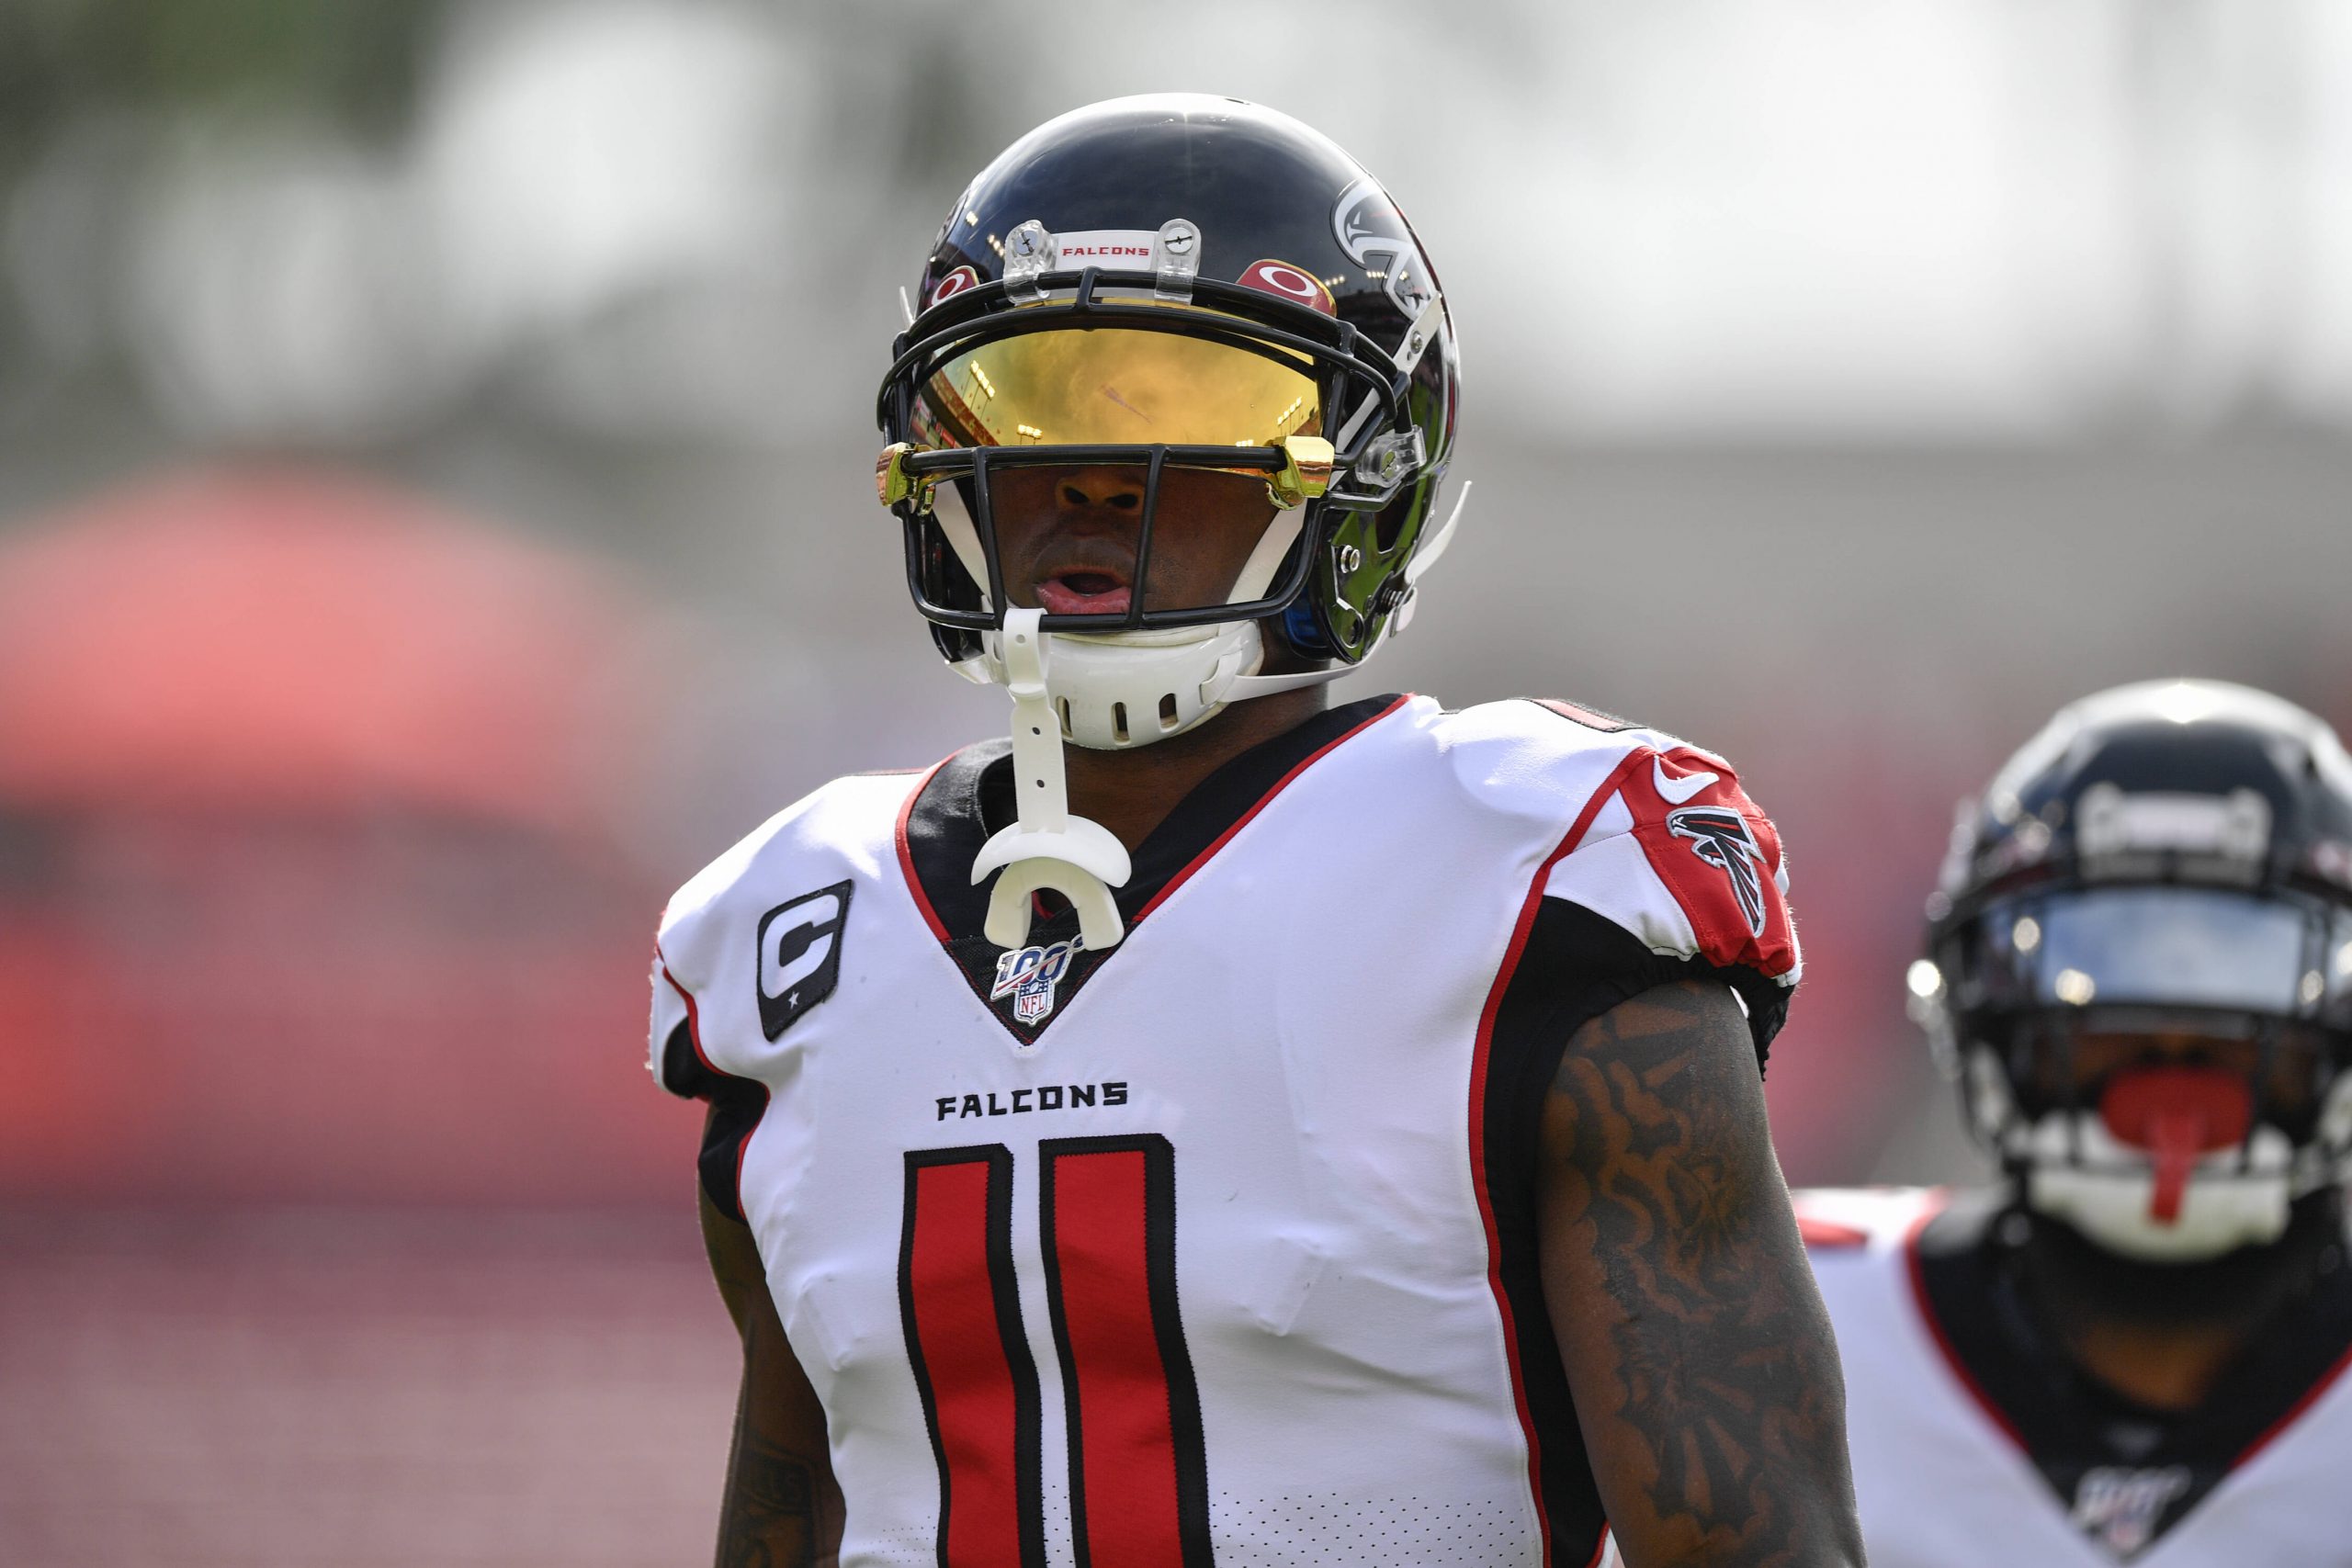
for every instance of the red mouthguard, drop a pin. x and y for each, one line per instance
(2177, 1114)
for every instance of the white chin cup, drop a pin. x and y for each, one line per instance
(2219, 1213)
(1116, 693)
(2079, 1173)
(1128, 689)
(1120, 690)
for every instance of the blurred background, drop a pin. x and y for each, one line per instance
(436, 518)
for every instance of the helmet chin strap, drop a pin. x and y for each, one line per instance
(1046, 846)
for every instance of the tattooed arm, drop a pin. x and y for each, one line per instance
(782, 1508)
(1706, 1381)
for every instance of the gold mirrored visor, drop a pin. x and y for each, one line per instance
(1117, 385)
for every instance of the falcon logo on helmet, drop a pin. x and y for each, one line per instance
(1372, 232)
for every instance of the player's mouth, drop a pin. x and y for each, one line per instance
(1084, 591)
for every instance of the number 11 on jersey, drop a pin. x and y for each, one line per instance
(1138, 1480)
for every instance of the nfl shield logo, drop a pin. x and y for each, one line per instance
(1029, 975)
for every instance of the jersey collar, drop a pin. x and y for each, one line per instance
(969, 796)
(2081, 1436)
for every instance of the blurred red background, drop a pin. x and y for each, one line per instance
(310, 887)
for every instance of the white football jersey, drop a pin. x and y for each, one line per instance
(1217, 1247)
(1973, 1446)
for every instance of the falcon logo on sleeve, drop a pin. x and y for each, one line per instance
(1720, 837)
(1718, 854)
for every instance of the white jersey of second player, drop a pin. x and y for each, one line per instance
(1971, 1449)
(1217, 1247)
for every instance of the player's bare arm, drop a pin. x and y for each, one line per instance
(1705, 1377)
(782, 1508)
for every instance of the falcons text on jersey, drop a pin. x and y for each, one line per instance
(1218, 1245)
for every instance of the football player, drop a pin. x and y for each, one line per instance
(1212, 1126)
(2139, 969)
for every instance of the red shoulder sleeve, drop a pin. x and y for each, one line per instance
(1717, 854)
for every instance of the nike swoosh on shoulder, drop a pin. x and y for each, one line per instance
(1677, 791)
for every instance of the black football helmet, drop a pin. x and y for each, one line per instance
(1177, 281)
(2172, 861)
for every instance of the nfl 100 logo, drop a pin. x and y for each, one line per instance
(1029, 975)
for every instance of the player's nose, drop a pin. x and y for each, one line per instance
(1117, 489)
